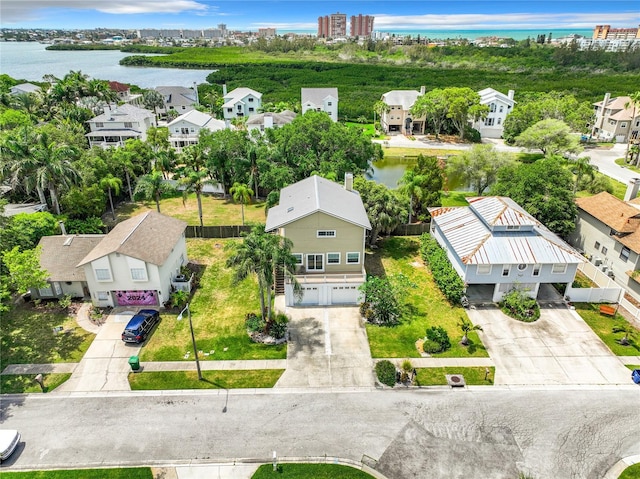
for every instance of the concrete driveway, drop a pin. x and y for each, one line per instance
(557, 349)
(105, 365)
(327, 348)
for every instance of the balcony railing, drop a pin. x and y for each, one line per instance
(329, 278)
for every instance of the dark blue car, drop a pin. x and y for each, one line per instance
(139, 327)
(635, 375)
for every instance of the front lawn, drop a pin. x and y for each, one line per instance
(127, 473)
(236, 379)
(23, 383)
(603, 326)
(218, 310)
(473, 376)
(310, 471)
(426, 305)
(631, 472)
(27, 336)
(456, 198)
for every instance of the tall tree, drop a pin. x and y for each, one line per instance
(111, 185)
(634, 104)
(241, 193)
(463, 105)
(380, 108)
(152, 100)
(24, 269)
(582, 167)
(194, 175)
(152, 186)
(434, 106)
(477, 167)
(411, 185)
(552, 137)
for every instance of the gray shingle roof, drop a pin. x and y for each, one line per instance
(317, 194)
(238, 94)
(200, 119)
(177, 95)
(317, 95)
(126, 112)
(279, 119)
(61, 254)
(149, 237)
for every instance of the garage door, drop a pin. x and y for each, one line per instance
(136, 298)
(344, 295)
(311, 295)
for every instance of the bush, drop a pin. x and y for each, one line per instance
(277, 327)
(91, 225)
(472, 135)
(431, 347)
(254, 322)
(444, 275)
(439, 336)
(386, 372)
(599, 184)
(65, 301)
(517, 304)
(381, 305)
(178, 298)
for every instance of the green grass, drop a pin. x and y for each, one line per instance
(218, 309)
(310, 471)
(528, 157)
(426, 306)
(22, 383)
(621, 162)
(603, 325)
(436, 376)
(619, 188)
(633, 366)
(237, 379)
(367, 128)
(583, 281)
(631, 472)
(126, 473)
(27, 337)
(456, 198)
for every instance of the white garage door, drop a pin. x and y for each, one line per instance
(311, 295)
(344, 295)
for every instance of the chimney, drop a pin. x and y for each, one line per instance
(268, 120)
(607, 97)
(348, 181)
(62, 228)
(195, 89)
(510, 94)
(422, 89)
(224, 89)
(632, 189)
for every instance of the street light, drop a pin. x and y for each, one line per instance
(193, 338)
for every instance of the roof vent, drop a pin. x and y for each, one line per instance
(290, 209)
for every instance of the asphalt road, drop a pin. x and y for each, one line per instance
(436, 433)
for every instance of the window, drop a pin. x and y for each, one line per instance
(559, 269)
(250, 108)
(184, 107)
(326, 233)
(506, 269)
(624, 254)
(489, 121)
(102, 274)
(315, 262)
(536, 270)
(604, 250)
(623, 124)
(103, 295)
(192, 130)
(138, 274)
(513, 227)
(99, 124)
(250, 100)
(522, 267)
(353, 258)
(333, 258)
(483, 269)
(499, 121)
(298, 257)
(230, 110)
(492, 107)
(597, 245)
(128, 124)
(328, 103)
(501, 108)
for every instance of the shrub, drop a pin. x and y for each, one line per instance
(517, 304)
(65, 301)
(386, 372)
(277, 327)
(438, 335)
(472, 135)
(431, 347)
(381, 305)
(254, 322)
(178, 298)
(444, 275)
(91, 225)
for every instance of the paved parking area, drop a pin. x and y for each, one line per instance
(557, 349)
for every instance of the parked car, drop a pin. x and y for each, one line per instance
(140, 325)
(9, 439)
(635, 376)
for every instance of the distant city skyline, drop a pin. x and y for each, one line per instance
(302, 16)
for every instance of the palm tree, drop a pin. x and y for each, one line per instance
(194, 175)
(241, 193)
(629, 332)
(152, 186)
(466, 327)
(634, 101)
(110, 183)
(411, 185)
(581, 167)
(380, 108)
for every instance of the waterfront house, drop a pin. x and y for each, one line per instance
(118, 124)
(500, 105)
(185, 130)
(240, 103)
(320, 99)
(177, 99)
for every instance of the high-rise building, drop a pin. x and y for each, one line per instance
(362, 25)
(267, 32)
(605, 32)
(332, 26)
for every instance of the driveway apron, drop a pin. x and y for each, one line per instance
(328, 347)
(557, 349)
(105, 365)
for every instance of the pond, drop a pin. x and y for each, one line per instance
(388, 172)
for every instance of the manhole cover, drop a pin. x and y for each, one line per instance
(455, 380)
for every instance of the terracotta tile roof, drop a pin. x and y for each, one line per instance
(611, 211)
(61, 254)
(149, 237)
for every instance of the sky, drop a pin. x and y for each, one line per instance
(302, 15)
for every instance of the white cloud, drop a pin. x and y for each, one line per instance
(12, 11)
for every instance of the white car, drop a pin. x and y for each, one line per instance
(9, 439)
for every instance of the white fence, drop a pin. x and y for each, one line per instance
(593, 295)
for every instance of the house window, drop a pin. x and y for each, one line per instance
(353, 258)
(506, 269)
(250, 108)
(624, 254)
(315, 262)
(559, 269)
(192, 130)
(298, 257)
(250, 100)
(489, 122)
(483, 269)
(499, 121)
(184, 107)
(604, 250)
(326, 233)
(102, 274)
(501, 108)
(492, 107)
(513, 227)
(103, 295)
(333, 258)
(230, 110)
(128, 124)
(138, 274)
(328, 103)
(623, 124)
(597, 245)
(522, 267)
(536, 270)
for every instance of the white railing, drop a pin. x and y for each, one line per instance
(330, 278)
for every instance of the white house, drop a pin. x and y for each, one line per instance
(398, 119)
(500, 105)
(118, 124)
(262, 121)
(185, 130)
(320, 99)
(178, 99)
(616, 119)
(136, 263)
(24, 88)
(241, 102)
(327, 224)
(494, 242)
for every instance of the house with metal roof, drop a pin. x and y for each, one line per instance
(137, 262)
(500, 105)
(320, 99)
(327, 224)
(118, 124)
(398, 118)
(494, 242)
(24, 89)
(185, 130)
(240, 103)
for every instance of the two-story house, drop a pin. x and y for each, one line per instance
(327, 224)
(177, 99)
(495, 243)
(123, 91)
(137, 261)
(616, 119)
(608, 231)
(262, 121)
(398, 118)
(240, 102)
(320, 99)
(500, 105)
(118, 124)
(185, 130)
